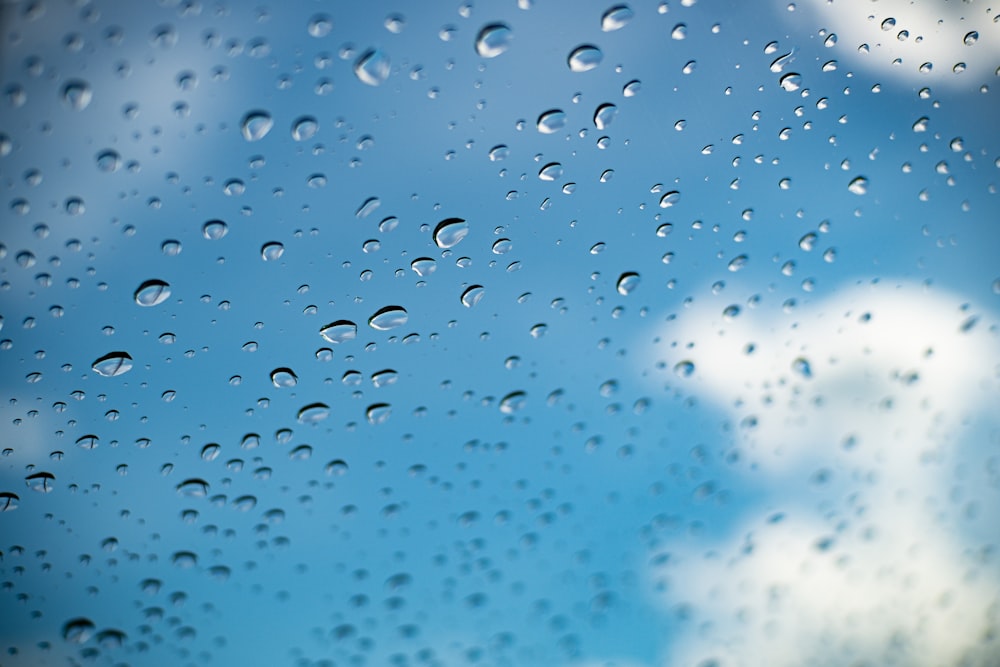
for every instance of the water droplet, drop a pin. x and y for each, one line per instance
(502, 246)
(372, 68)
(77, 94)
(387, 318)
(256, 125)
(513, 402)
(213, 230)
(551, 171)
(378, 413)
(184, 559)
(450, 232)
(115, 363)
(320, 25)
(42, 482)
(109, 161)
(272, 251)
(679, 31)
(971, 38)
(499, 152)
(670, 199)
(493, 39)
(627, 282)
(731, 312)
(395, 23)
(802, 367)
(171, 248)
(304, 128)
(340, 331)
(632, 88)
(78, 630)
(423, 266)
(604, 115)
(551, 121)
(283, 377)
(193, 487)
(472, 295)
(314, 413)
(859, 185)
(737, 263)
(926, 68)
(616, 18)
(684, 368)
(9, 501)
(152, 293)
(790, 82)
(384, 378)
(584, 58)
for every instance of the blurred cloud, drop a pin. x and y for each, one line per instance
(854, 412)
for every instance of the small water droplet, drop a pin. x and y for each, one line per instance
(320, 25)
(109, 161)
(513, 402)
(493, 39)
(450, 232)
(551, 121)
(858, 186)
(340, 331)
(627, 283)
(802, 367)
(384, 378)
(78, 630)
(791, 82)
(113, 364)
(193, 487)
(684, 368)
(670, 199)
(631, 89)
(152, 293)
(971, 38)
(551, 171)
(256, 125)
(616, 18)
(499, 152)
(304, 128)
(472, 295)
(584, 58)
(213, 230)
(372, 68)
(679, 31)
(737, 263)
(378, 413)
(423, 266)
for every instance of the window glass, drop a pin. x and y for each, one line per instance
(533, 332)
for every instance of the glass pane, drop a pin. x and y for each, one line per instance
(507, 333)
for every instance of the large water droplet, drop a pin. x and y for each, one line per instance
(42, 482)
(472, 295)
(604, 115)
(737, 263)
(627, 282)
(684, 368)
(971, 38)
(78, 630)
(213, 230)
(372, 68)
(670, 199)
(450, 232)
(859, 185)
(9, 501)
(193, 487)
(152, 293)
(115, 363)
(493, 40)
(77, 94)
(616, 18)
(109, 161)
(513, 402)
(551, 171)
(314, 413)
(272, 251)
(584, 58)
(802, 367)
(423, 266)
(256, 125)
(283, 377)
(387, 318)
(378, 413)
(551, 121)
(320, 25)
(340, 331)
(790, 82)
(304, 128)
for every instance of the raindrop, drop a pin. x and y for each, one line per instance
(551, 121)
(627, 283)
(152, 293)
(340, 331)
(109, 161)
(493, 40)
(502, 246)
(378, 413)
(584, 58)
(372, 68)
(670, 199)
(450, 232)
(213, 230)
(423, 266)
(684, 368)
(320, 25)
(971, 38)
(802, 367)
(604, 115)
(679, 31)
(499, 152)
(513, 402)
(790, 82)
(551, 171)
(737, 263)
(632, 88)
(78, 630)
(77, 94)
(283, 377)
(9, 501)
(42, 482)
(859, 185)
(384, 378)
(272, 251)
(616, 18)
(115, 363)
(304, 128)
(472, 295)
(387, 318)
(367, 207)
(256, 125)
(193, 487)
(313, 413)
